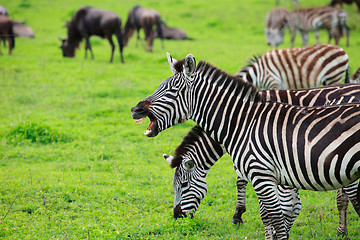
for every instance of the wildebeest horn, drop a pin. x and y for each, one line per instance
(61, 39)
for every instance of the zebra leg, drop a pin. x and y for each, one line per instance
(293, 35)
(290, 205)
(305, 37)
(316, 36)
(269, 229)
(342, 202)
(352, 191)
(240, 201)
(267, 192)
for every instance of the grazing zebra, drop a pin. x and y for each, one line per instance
(296, 68)
(356, 77)
(334, 20)
(271, 143)
(275, 26)
(200, 149)
(193, 159)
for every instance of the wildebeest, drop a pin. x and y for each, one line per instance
(144, 18)
(6, 32)
(3, 11)
(88, 21)
(334, 2)
(171, 33)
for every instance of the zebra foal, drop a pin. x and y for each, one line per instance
(198, 153)
(271, 143)
(296, 68)
(304, 20)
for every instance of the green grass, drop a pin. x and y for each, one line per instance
(75, 165)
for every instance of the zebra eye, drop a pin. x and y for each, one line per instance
(189, 164)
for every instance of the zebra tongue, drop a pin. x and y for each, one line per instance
(147, 132)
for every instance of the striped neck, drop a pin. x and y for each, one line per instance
(216, 92)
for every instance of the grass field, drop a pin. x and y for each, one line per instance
(74, 165)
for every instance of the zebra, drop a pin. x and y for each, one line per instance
(193, 159)
(356, 77)
(334, 20)
(271, 143)
(296, 68)
(200, 149)
(276, 25)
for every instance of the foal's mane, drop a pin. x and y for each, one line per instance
(193, 136)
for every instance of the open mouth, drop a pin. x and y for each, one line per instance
(150, 131)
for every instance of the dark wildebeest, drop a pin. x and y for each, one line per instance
(144, 18)
(6, 32)
(88, 21)
(172, 33)
(334, 2)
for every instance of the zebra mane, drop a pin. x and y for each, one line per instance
(245, 69)
(220, 77)
(189, 139)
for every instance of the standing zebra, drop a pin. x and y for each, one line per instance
(295, 68)
(334, 20)
(202, 152)
(271, 143)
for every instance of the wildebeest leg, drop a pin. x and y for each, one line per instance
(149, 37)
(240, 201)
(342, 202)
(109, 37)
(88, 46)
(138, 36)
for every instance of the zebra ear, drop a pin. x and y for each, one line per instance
(172, 61)
(168, 158)
(189, 164)
(189, 65)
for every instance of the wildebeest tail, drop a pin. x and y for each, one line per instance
(120, 39)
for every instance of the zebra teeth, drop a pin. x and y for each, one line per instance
(148, 130)
(139, 121)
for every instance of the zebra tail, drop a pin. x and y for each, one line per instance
(347, 80)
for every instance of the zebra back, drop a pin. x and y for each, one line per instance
(296, 68)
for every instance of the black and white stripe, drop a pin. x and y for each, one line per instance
(271, 143)
(203, 152)
(297, 68)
